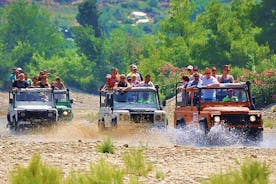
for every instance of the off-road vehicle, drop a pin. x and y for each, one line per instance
(63, 104)
(136, 105)
(31, 106)
(230, 105)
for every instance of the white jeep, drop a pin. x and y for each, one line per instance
(136, 105)
(31, 106)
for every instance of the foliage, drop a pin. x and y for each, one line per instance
(88, 15)
(263, 16)
(136, 163)
(36, 172)
(250, 171)
(263, 85)
(26, 29)
(101, 172)
(106, 146)
(269, 123)
(159, 175)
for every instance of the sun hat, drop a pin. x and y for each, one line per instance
(190, 67)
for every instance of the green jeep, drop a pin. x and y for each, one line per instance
(63, 104)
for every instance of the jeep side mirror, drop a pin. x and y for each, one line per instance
(71, 101)
(164, 103)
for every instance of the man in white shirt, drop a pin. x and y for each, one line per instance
(209, 81)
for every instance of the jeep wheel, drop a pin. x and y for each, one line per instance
(180, 123)
(101, 125)
(255, 135)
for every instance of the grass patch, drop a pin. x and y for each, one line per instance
(269, 123)
(36, 172)
(251, 172)
(159, 175)
(135, 162)
(102, 172)
(106, 146)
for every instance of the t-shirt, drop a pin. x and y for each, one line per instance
(20, 84)
(209, 94)
(143, 84)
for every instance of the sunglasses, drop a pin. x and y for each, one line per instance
(208, 73)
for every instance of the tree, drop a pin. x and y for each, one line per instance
(27, 29)
(88, 15)
(264, 16)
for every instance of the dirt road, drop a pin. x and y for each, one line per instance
(181, 155)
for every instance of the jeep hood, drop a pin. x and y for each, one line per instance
(62, 107)
(34, 107)
(227, 109)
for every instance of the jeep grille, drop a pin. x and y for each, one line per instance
(235, 119)
(140, 117)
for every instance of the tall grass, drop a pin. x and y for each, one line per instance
(106, 146)
(251, 172)
(35, 173)
(102, 172)
(269, 123)
(135, 162)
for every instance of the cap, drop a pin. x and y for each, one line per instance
(19, 69)
(108, 76)
(190, 67)
(134, 67)
(133, 75)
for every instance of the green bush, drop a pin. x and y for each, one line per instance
(102, 172)
(136, 163)
(35, 173)
(106, 146)
(263, 86)
(159, 175)
(251, 172)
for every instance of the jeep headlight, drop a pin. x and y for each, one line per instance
(158, 117)
(22, 114)
(65, 113)
(252, 118)
(216, 119)
(50, 114)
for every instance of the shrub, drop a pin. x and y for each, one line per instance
(106, 146)
(36, 172)
(263, 85)
(159, 175)
(135, 162)
(250, 172)
(102, 172)
(268, 123)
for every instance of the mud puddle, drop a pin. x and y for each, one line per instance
(81, 130)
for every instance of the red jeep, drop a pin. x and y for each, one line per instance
(229, 104)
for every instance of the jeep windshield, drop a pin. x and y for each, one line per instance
(61, 97)
(135, 100)
(33, 97)
(223, 95)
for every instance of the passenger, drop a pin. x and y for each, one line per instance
(29, 81)
(214, 73)
(230, 97)
(196, 82)
(122, 85)
(41, 74)
(129, 79)
(134, 82)
(35, 82)
(190, 70)
(115, 77)
(147, 82)
(226, 77)
(134, 70)
(44, 82)
(13, 75)
(195, 70)
(209, 81)
(185, 81)
(20, 82)
(58, 84)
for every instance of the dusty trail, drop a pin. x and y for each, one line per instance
(71, 145)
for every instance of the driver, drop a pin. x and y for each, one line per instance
(230, 96)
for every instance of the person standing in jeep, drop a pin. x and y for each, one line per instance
(21, 82)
